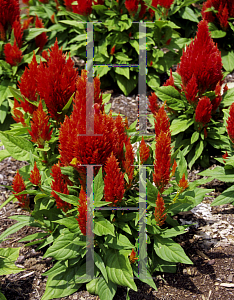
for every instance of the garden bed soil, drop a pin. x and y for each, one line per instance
(209, 244)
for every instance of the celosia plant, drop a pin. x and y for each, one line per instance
(78, 213)
(193, 99)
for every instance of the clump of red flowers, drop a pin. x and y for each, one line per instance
(201, 64)
(203, 111)
(35, 176)
(41, 39)
(144, 151)
(78, 147)
(54, 82)
(40, 127)
(59, 185)
(114, 181)
(13, 54)
(82, 211)
(9, 13)
(230, 123)
(159, 213)
(161, 175)
(83, 8)
(18, 186)
(224, 8)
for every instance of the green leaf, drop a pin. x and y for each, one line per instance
(62, 284)
(119, 242)
(169, 250)
(64, 247)
(103, 227)
(226, 175)
(152, 193)
(181, 167)
(123, 71)
(119, 270)
(4, 154)
(122, 57)
(66, 107)
(226, 197)
(180, 125)
(171, 96)
(228, 98)
(101, 70)
(228, 60)
(2, 297)
(163, 265)
(70, 222)
(127, 86)
(18, 147)
(189, 14)
(215, 33)
(194, 137)
(174, 231)
(98, 189)
(68, 198)
(198, 151)
(14, 228)
(106, 290)
(8, 256)
(149, 280)
(100, 265)
(34, 32)
(34, 236)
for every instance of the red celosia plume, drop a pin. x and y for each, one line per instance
(144, 151)
(201, 60)
(18, 33)
(225, 10)
(133, 257)
(159, 214)
(82, 211)
(203, 111)
(40, 127)
(56, 81)
(18, 116)
(18, 186)
(28, 86)
(9, 12)
(35, 176)
(83, 8)
(114, 181)
(59, 185)
(183, 183)
(78, 147)
(13, 54)
(132, 6)
(41, 39)
(230, 123)
(162, 123)
(153, 106)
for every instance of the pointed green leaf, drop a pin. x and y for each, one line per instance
(169, 250)
(106, 290)
(100, 265)
(103, 227)
(119, 270)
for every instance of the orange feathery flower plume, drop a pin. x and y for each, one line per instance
(59, 185)
(18, 186)
(18, 116)
(128, 162)
(183, 183)
(144, 151)
(162, 122)
(40, 128)
(82, 211)
(225, 156)
(112, 50)
(133, 257)
(159, 214)
(153, 106)
(35, 176)
(114, 181)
